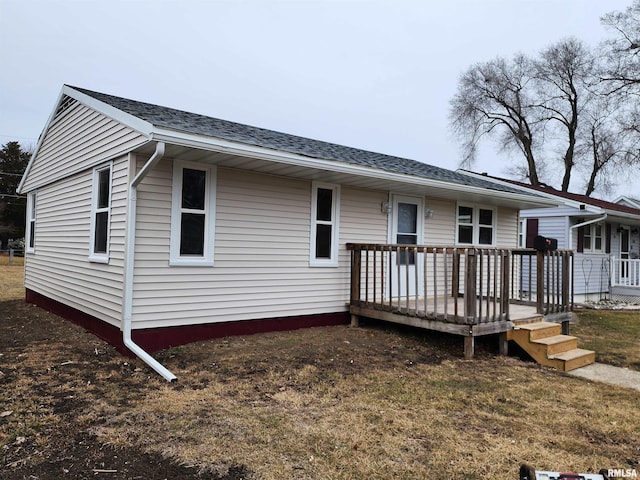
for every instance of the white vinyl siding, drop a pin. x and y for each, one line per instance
(78, 139)
(61, 270)
(262, 252)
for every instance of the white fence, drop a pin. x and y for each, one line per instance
(625, 272)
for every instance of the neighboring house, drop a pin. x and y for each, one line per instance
(154, 227)
(628, 201)
(604, 235)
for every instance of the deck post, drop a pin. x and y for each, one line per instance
(540, 282)
(505, 294)
(470, 286)
(356, 260)
(565, 283)
(503, 343)
(469, 347)
(355, 321)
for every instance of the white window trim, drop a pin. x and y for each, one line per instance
(522, 233)
(335, 224)
(99, 257)
(476, 224)
(32, 214)
(206, 260)
(592, 236)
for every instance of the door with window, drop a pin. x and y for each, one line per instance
(406, 229)
(624, 253)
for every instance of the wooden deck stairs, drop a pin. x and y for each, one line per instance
(546, 344)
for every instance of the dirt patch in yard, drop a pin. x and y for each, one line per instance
(376, 402)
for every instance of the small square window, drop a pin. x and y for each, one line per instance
(475, 225)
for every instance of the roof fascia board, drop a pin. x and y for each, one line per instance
(559, 200)
(131, 121)
(41, 138)
(261, 153)
(142, 126)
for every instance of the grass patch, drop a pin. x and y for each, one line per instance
(380, 402)
(613, 335)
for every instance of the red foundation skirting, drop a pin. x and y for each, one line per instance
(154, 339)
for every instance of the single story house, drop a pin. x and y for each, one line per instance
(154, 227)
(604, 235)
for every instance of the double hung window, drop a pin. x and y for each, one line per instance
(593, 239)
(192, 215)
(100, 214)
(325, 201)
(31, 223)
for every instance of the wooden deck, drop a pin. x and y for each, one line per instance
(463, 291)
(518, 314)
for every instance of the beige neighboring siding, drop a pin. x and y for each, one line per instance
(79, 138)
(59, 268)
(261, 252)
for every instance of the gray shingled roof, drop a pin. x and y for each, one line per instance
(214, 127)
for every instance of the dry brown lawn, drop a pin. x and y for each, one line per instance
(615, 335)
(376, 402)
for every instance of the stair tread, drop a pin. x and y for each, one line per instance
(571, 354)
(537, 325)
(554, 339)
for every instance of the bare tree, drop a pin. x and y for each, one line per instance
(622, 52)
(495, 98)
(563, 73)
(547, 108)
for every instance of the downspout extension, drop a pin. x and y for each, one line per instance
(129, 268)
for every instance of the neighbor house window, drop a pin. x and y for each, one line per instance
(192, 214)
(325, 201)
(522, 232)
(100, 214)
(593, 239)
(31, 223)
(475, 225)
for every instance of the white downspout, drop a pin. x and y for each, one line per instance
(588, 222)
(129, 268)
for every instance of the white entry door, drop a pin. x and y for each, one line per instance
(624, 252)
(407, 228)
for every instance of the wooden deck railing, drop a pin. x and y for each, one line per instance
(543, 279)
(458, 285)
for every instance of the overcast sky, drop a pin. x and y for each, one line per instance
(376, 75)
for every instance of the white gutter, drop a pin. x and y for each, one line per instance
(588, 222)
(287, 158)
(129, 268)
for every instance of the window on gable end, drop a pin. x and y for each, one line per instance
(100, 214)
(192, 214)
(325, 202)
